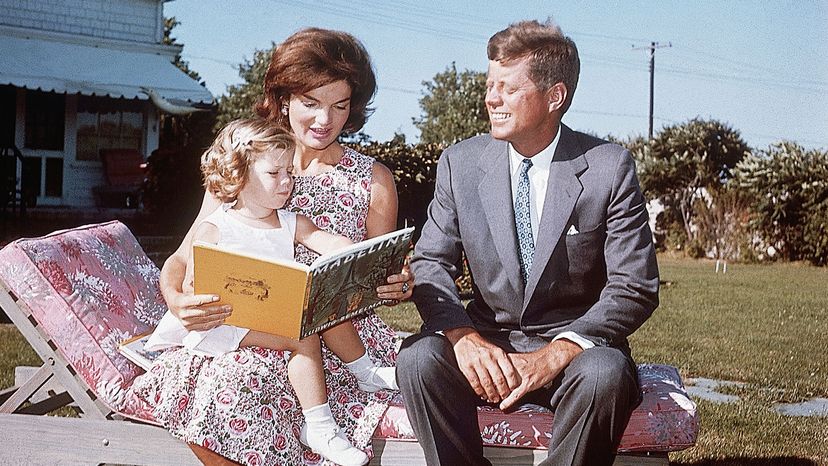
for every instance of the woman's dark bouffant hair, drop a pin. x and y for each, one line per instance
(312, 58)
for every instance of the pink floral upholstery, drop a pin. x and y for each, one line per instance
(88, 288)
(91, 287)
(664, 421)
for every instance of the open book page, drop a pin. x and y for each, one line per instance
(343, 284)
(133, 349)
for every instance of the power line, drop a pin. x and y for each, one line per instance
(730, 61)
(612, 62)
(427, 20)
(617, 114)
(375, 17)
(438, 14)
(187, 56)
(419, 19)
(609, 59)
(742, 79)
(399, 89)
(412, 17)
(431, 14)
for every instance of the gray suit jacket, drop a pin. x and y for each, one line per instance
(601, 283)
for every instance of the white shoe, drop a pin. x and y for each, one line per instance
(333, 445)
(378, 378)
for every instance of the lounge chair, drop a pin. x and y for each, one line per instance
(75, 294)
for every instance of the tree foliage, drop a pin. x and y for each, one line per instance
(172, 187)
(788, 187)
(240, 98)
(684, 160)
(168, 39)
(453, 107)
(414, 167)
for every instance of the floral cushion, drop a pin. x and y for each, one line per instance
(91, 287)
(88, 288)
(664, 421)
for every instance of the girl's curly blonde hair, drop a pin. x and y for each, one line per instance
(224, 165)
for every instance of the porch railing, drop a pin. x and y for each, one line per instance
(12, 195)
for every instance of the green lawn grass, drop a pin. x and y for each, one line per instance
(764, 325)
(14, 351)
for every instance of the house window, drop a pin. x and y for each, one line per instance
(37, 184)
(108, 124)
(45, 120)
(54, 177)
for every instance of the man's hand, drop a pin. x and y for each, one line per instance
(540, 367)
(487, 367)
(196, 312)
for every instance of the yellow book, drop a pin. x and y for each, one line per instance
(295, 300)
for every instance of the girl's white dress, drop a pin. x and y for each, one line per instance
(241, 404)
(276, 243)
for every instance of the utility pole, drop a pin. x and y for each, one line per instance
(652, 48)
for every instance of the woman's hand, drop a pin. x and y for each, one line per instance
(400, 286)
(197, 312)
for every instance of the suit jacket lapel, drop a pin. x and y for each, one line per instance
(562, 192)
(495, 190)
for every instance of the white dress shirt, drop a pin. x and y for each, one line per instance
(538, 184)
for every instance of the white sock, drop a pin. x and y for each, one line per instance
(361, 364)
(322, 434)
(370, 377)
(319, 417)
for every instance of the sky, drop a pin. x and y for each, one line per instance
(759, 66)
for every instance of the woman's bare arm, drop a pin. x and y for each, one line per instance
(382, 218)
(382, 211)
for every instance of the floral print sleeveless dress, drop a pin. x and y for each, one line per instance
(241, 404)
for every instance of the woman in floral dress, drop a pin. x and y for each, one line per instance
(240, 406)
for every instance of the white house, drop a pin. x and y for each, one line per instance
(71, 79)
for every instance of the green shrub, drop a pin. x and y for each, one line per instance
(415, 169)
(788, 187)
(695, 249)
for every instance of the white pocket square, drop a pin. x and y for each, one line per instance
(572, 231)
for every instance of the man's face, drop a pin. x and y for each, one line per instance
(518, 111)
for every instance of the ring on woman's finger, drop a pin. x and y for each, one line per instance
(405, 287)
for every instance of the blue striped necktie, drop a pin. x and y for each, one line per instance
(523, 221)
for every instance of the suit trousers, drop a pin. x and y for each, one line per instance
(592, 400)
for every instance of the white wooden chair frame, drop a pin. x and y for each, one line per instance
(99, 436)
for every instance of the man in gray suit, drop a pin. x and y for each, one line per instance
(554, 227)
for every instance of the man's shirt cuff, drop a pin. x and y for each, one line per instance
(575, 338)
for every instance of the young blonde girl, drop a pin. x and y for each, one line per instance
(249, 168)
